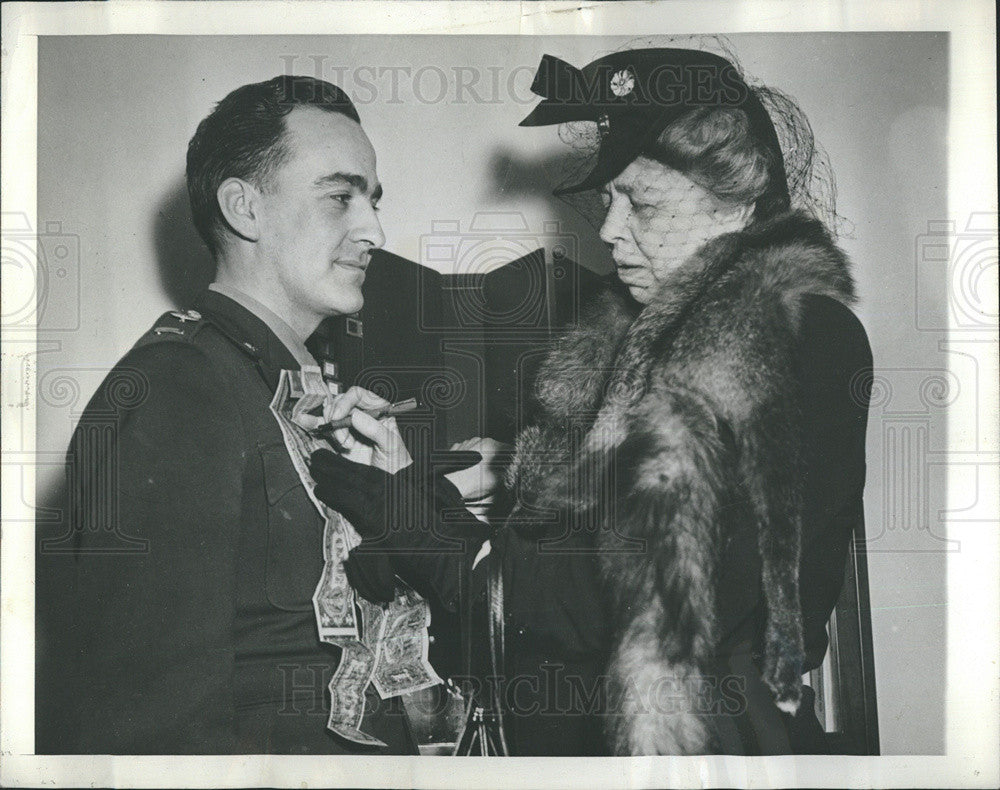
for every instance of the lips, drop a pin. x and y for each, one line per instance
(624, 270)
(627, 258)
(353, 264)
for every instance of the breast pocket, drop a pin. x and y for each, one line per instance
(294, 534)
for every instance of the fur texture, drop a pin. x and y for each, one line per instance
(651, 419)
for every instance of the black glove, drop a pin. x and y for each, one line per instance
(371, 574)
(413, 523)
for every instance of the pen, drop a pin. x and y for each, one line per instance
(400, 407)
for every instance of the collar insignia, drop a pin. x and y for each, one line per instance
(187, 315)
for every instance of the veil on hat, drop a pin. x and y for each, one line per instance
(811, 184)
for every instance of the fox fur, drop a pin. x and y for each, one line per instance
(652, 418)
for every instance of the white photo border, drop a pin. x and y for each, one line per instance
(973, 578)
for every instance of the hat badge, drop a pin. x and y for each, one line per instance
(622, 82)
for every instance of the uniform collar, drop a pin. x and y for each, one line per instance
(250, 332)
(274, 322)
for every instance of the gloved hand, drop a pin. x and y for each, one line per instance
(413, 523)
(371, 574)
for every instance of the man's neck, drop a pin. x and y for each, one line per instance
(301, 322)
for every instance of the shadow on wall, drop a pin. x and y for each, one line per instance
(184, 262)
(186, 266)
(520, 180)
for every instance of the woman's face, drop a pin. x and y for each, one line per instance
(657, 218)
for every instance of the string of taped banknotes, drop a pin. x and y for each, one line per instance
(382, 646)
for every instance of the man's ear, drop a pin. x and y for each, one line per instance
(240, 208)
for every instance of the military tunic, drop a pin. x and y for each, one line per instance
(174, 608)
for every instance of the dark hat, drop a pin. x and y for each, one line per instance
(634, 95)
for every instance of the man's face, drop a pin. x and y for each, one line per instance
(657, 218)
(318, 221)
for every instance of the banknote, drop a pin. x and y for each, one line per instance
(333, 599)
(397, 634)
(333, 604)
(353, 734)
(387, 647)
(347, 693)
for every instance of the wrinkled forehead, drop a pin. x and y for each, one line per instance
(645, 175)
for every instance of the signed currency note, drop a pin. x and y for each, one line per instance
(388, 648)
(397, 633)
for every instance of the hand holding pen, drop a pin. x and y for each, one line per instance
(391, 410)
(369, 416)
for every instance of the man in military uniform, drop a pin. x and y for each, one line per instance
(176, 613)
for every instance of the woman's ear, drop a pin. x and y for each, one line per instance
(744, 213)
(240, 208)
(732, 216)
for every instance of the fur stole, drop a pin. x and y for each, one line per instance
(649, 421)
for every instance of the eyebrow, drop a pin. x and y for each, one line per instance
(355, 180)
(626, 188)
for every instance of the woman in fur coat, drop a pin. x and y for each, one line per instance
(682, 504)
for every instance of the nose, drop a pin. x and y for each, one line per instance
(368, 229)
(614, 221)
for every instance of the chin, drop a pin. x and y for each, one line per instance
(642, 294)
(352, 307)
(345, 304)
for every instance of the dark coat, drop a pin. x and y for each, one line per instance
(175, 612)
(699, 464)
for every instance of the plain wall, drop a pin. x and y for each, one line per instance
(115, 115)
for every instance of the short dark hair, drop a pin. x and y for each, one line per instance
(242, 138)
